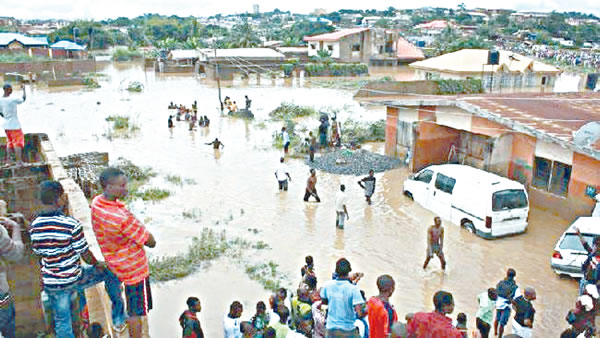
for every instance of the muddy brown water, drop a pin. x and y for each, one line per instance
(387, 237)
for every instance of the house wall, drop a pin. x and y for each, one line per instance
(70, 66)
(391, 131)
(586, 172)
(432, 144)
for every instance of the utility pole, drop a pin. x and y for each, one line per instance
(218, 79)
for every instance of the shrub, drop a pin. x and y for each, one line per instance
(287, 111)
(125, 54)
(469, 86)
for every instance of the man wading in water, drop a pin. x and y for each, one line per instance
(311, 189)
(435, 243)
(368, 183)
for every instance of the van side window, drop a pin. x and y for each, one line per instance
(445, 183)
(424, 176)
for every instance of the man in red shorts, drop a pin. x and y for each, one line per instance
(15, 140)
(122, 238)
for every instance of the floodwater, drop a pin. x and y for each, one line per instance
(385, 238)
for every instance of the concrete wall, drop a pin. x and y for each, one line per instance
(63, 66)
(391, 131)
(432, 144)
(498, 81)
(395, 88)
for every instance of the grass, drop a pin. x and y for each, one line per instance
(122, 127)
(174, 179)
(266, 274)
(194, 214)
(287, 111)
(152, 194)
(209, 246)
(260, 245)
(125, 54)
(135, 86)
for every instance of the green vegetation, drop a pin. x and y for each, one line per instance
(210, 245)
(151, 194)
(122, 126)
(174, 179)
(360, 132)
(91, 82)
(335, 69)
(287, 111)
(137, 176)
(125, 54)
(470, 86)
(194, 214)
(266, 274)
(135, 86)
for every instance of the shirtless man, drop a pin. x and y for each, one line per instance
(216, 144)
(435, 243)
(311, 189)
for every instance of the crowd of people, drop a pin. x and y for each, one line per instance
(188, 115)
(232, 106)
(573, 57)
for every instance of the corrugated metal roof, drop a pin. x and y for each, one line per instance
(243, 53)
(335, 36)
(435, 24)
(407, 51)
(475, 61)
(67, 45)
(6, 38)
(183, 54)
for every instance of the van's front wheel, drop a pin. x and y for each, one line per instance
(468, 225)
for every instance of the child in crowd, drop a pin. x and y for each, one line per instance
(260, 319)
(189, 321)
(461, 323)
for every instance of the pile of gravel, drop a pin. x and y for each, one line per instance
(358, 162)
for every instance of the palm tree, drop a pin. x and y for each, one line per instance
(243, 36)
(193, 43)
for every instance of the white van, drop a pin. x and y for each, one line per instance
(569, 254)
(483, 203)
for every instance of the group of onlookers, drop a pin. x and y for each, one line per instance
(60, 244)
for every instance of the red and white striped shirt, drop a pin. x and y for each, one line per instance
(121, 238)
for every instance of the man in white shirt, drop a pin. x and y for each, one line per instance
(286, 139)
(232, 321)
(340, 207)
(282, 174)
(15, 141)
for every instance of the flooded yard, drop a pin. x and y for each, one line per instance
(237, 185)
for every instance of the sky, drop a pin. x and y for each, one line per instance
(103, 9)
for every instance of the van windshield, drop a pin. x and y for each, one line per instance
(509, 199)
(572, 242)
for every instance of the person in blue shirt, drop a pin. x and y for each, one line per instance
(345, 303)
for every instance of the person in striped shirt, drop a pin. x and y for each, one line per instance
(59, 242)
(11, 248)
(122, 238)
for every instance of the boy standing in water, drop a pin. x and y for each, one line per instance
(368, 183)
(435, 243)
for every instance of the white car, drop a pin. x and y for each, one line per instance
(486, 204)
(569, 254)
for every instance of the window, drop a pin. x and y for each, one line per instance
(313, 46)
(572, 242)
(543, 80)
(551, 176)
(330, 47)
(356, 47)
(424, 176)
(509, 199)
(444, 183)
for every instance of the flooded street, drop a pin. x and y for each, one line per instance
(238, 184)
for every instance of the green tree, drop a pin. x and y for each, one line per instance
(243, 36)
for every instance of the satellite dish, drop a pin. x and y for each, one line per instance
(587, 135)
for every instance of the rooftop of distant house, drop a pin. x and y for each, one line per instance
(476, 61)
(435, 24)
(67, 45)
(7, 38)
(337, 35)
